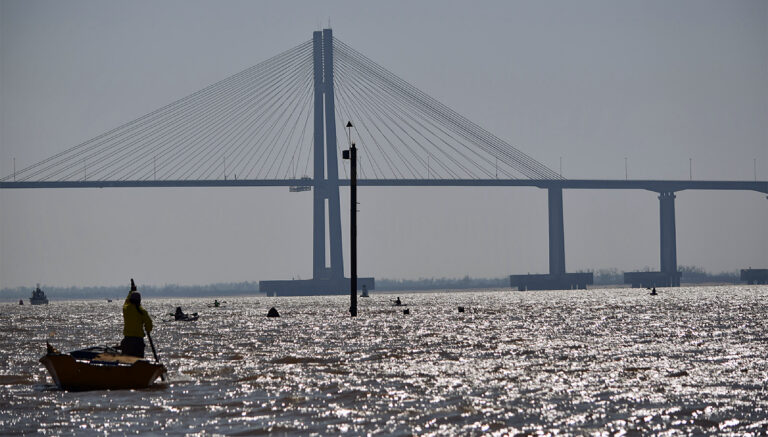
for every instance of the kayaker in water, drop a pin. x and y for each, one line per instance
(398, 302)
(179, 314)
(135, 321)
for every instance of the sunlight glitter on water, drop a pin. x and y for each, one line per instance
(689, 360)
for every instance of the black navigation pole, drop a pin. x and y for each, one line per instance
(351, 154)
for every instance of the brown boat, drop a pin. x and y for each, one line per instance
(99, 368)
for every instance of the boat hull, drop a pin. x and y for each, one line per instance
(104, 372)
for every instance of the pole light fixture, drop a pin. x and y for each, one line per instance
(351, 154)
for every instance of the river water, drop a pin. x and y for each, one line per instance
(603, 361)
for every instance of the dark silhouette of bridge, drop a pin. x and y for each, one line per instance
(253, 129)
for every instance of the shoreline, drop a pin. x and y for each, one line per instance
(58, 297)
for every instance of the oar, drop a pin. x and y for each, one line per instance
(154, 352)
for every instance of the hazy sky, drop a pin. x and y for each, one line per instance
(591, 82)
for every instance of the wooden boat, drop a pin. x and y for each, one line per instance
(99, 368)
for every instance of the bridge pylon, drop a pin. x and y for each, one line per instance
(327, 278)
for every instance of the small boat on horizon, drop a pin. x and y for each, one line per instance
(99, 368)
(38, 297)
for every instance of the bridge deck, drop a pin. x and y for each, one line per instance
(594, 184)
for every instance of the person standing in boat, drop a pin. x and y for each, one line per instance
(135, 321)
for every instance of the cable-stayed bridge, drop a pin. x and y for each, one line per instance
(281, 123)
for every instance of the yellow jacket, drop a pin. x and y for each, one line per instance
(133, 319)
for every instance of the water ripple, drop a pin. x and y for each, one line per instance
(691, 361)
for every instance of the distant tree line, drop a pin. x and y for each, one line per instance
(697, 275)
(119, 292)
(691, 275)
(612, 276)
(440, 283)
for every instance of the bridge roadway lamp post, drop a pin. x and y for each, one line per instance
(351, 154)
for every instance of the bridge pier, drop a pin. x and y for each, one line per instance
(556, 232)
(325, 279)
(557, 279)
(754, 276)
(668, 276)
(668, 238)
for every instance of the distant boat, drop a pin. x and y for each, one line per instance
(38, 297)
(21, 302)
(365, 292)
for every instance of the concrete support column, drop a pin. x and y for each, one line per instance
(318, 194)
(556, 232)
(326, 162)
(332, 150)
(668, 238)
